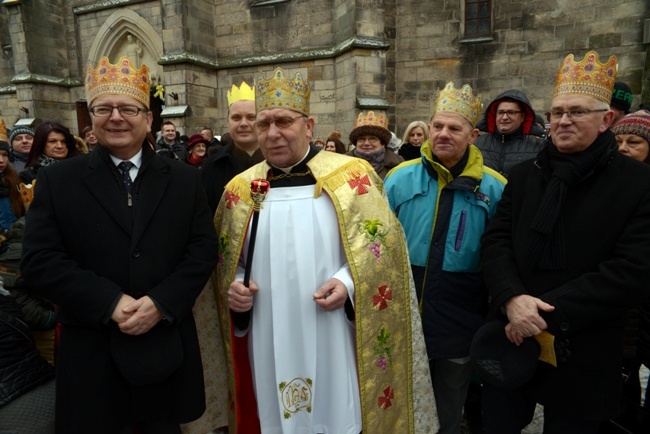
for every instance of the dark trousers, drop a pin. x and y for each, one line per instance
(510, 411)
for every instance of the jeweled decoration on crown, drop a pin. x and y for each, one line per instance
(241, 93)
(371, 119)
(278, 91)
(587, 77)
(121, 78)
(460, 101)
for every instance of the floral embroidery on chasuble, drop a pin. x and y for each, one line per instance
(375, 249)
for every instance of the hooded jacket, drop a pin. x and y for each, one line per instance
(502, 151)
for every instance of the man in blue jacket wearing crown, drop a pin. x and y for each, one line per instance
(444, 201)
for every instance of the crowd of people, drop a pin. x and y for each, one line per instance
(486, 263)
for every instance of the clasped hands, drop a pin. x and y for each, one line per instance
(330, 296)
(135, 317)
(524, 318)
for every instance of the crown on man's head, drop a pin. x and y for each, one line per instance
(241, 93)
(587, 77)
(460, 101)
(121, 78)
(3, 131)
(282, 92)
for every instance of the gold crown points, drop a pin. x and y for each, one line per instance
(121, 78)
(3, 131)
(460, 101)
(241, 93)
(282, 92)
(587, 77)
(371, 119)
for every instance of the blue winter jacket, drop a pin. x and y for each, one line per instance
(443, 219)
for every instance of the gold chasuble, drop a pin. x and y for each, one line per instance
(393, 370)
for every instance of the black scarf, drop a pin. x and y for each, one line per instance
(545, 247)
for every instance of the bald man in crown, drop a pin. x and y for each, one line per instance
(567, 252)
(97, 244)
(326, 337)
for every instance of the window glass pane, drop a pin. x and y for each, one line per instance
(471, 27)
(478, 17)
(484, 27)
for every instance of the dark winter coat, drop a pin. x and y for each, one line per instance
(606, 221)
(84, 247)
(221, 167)
(21, 366)
(502, 151)
(177, 148)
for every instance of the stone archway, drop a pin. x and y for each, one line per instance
(125, 33)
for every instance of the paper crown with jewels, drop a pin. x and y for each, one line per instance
(121, 78)
(371, 125)
(242, 93)
(587, 77)
(27, 193)
(3, 131)
(460, 101)
(282, 92)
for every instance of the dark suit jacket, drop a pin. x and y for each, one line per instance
(84, 246)
(607, 243)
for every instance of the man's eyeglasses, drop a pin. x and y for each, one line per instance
(282, 122)
(509, 113)
(573, 114)
(129, 111)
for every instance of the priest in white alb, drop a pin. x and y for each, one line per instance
(326, 337)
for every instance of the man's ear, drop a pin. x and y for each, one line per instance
(310, 128)
(149, 120)
(607, 121)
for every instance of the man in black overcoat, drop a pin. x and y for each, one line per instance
(100, 245)
(567, 252)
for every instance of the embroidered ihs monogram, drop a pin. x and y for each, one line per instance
(296, 395)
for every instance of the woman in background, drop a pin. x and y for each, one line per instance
(416, 134)
(52, 142)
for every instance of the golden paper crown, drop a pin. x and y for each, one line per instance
(3, 131)
(371, 119)
(281, 92)
(371, 125)
(121, 79)
(241, 93)
(587, 77)
(460, 101)
(27, 193)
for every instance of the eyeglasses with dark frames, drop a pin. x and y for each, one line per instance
(129, 111)
(509, 113)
